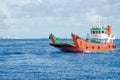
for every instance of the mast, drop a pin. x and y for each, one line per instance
(99, 25)
(98, 22)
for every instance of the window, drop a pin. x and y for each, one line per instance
(114, 46)
(96, 32)
(99, 32)
(103, 32)
(93, 32)
(98, 47)
(86, 47)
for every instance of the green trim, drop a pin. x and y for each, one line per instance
(57, 40)
(99, 29)
(94, 41)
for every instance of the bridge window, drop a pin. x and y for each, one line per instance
(103, 32)
(93, 32)
(99, 32)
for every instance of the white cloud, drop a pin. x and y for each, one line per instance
(92, 16)
(19, 2)
(58, 10)
(117, 4)
(51, 20)
(5, 9)
(118, 20)
(75, 21)
(15, 32)
(107, 7)
(105, 1)
(9, 21)
(56, 1)
(31, 15)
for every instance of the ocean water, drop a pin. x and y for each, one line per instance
(35, 59)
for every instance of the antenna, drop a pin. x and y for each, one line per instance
(98, 21)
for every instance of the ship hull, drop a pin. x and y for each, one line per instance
(92, 47)
(81, 46)
(67, 48)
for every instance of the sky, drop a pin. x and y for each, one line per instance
(39, 18)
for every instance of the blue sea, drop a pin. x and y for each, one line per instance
(35, 59)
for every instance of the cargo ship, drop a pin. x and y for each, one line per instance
(99, 39)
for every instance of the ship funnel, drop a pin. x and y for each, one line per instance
(109, 30)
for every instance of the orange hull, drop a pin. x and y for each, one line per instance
(67, 48)
(81, 45)
(91, 47)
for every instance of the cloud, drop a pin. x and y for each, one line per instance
(118, 20)
(46, 16)
(105, 1)
(55, 1)
(5, 10)
(75, 21)
(92, 16)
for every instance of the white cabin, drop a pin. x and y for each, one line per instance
(101, 35)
